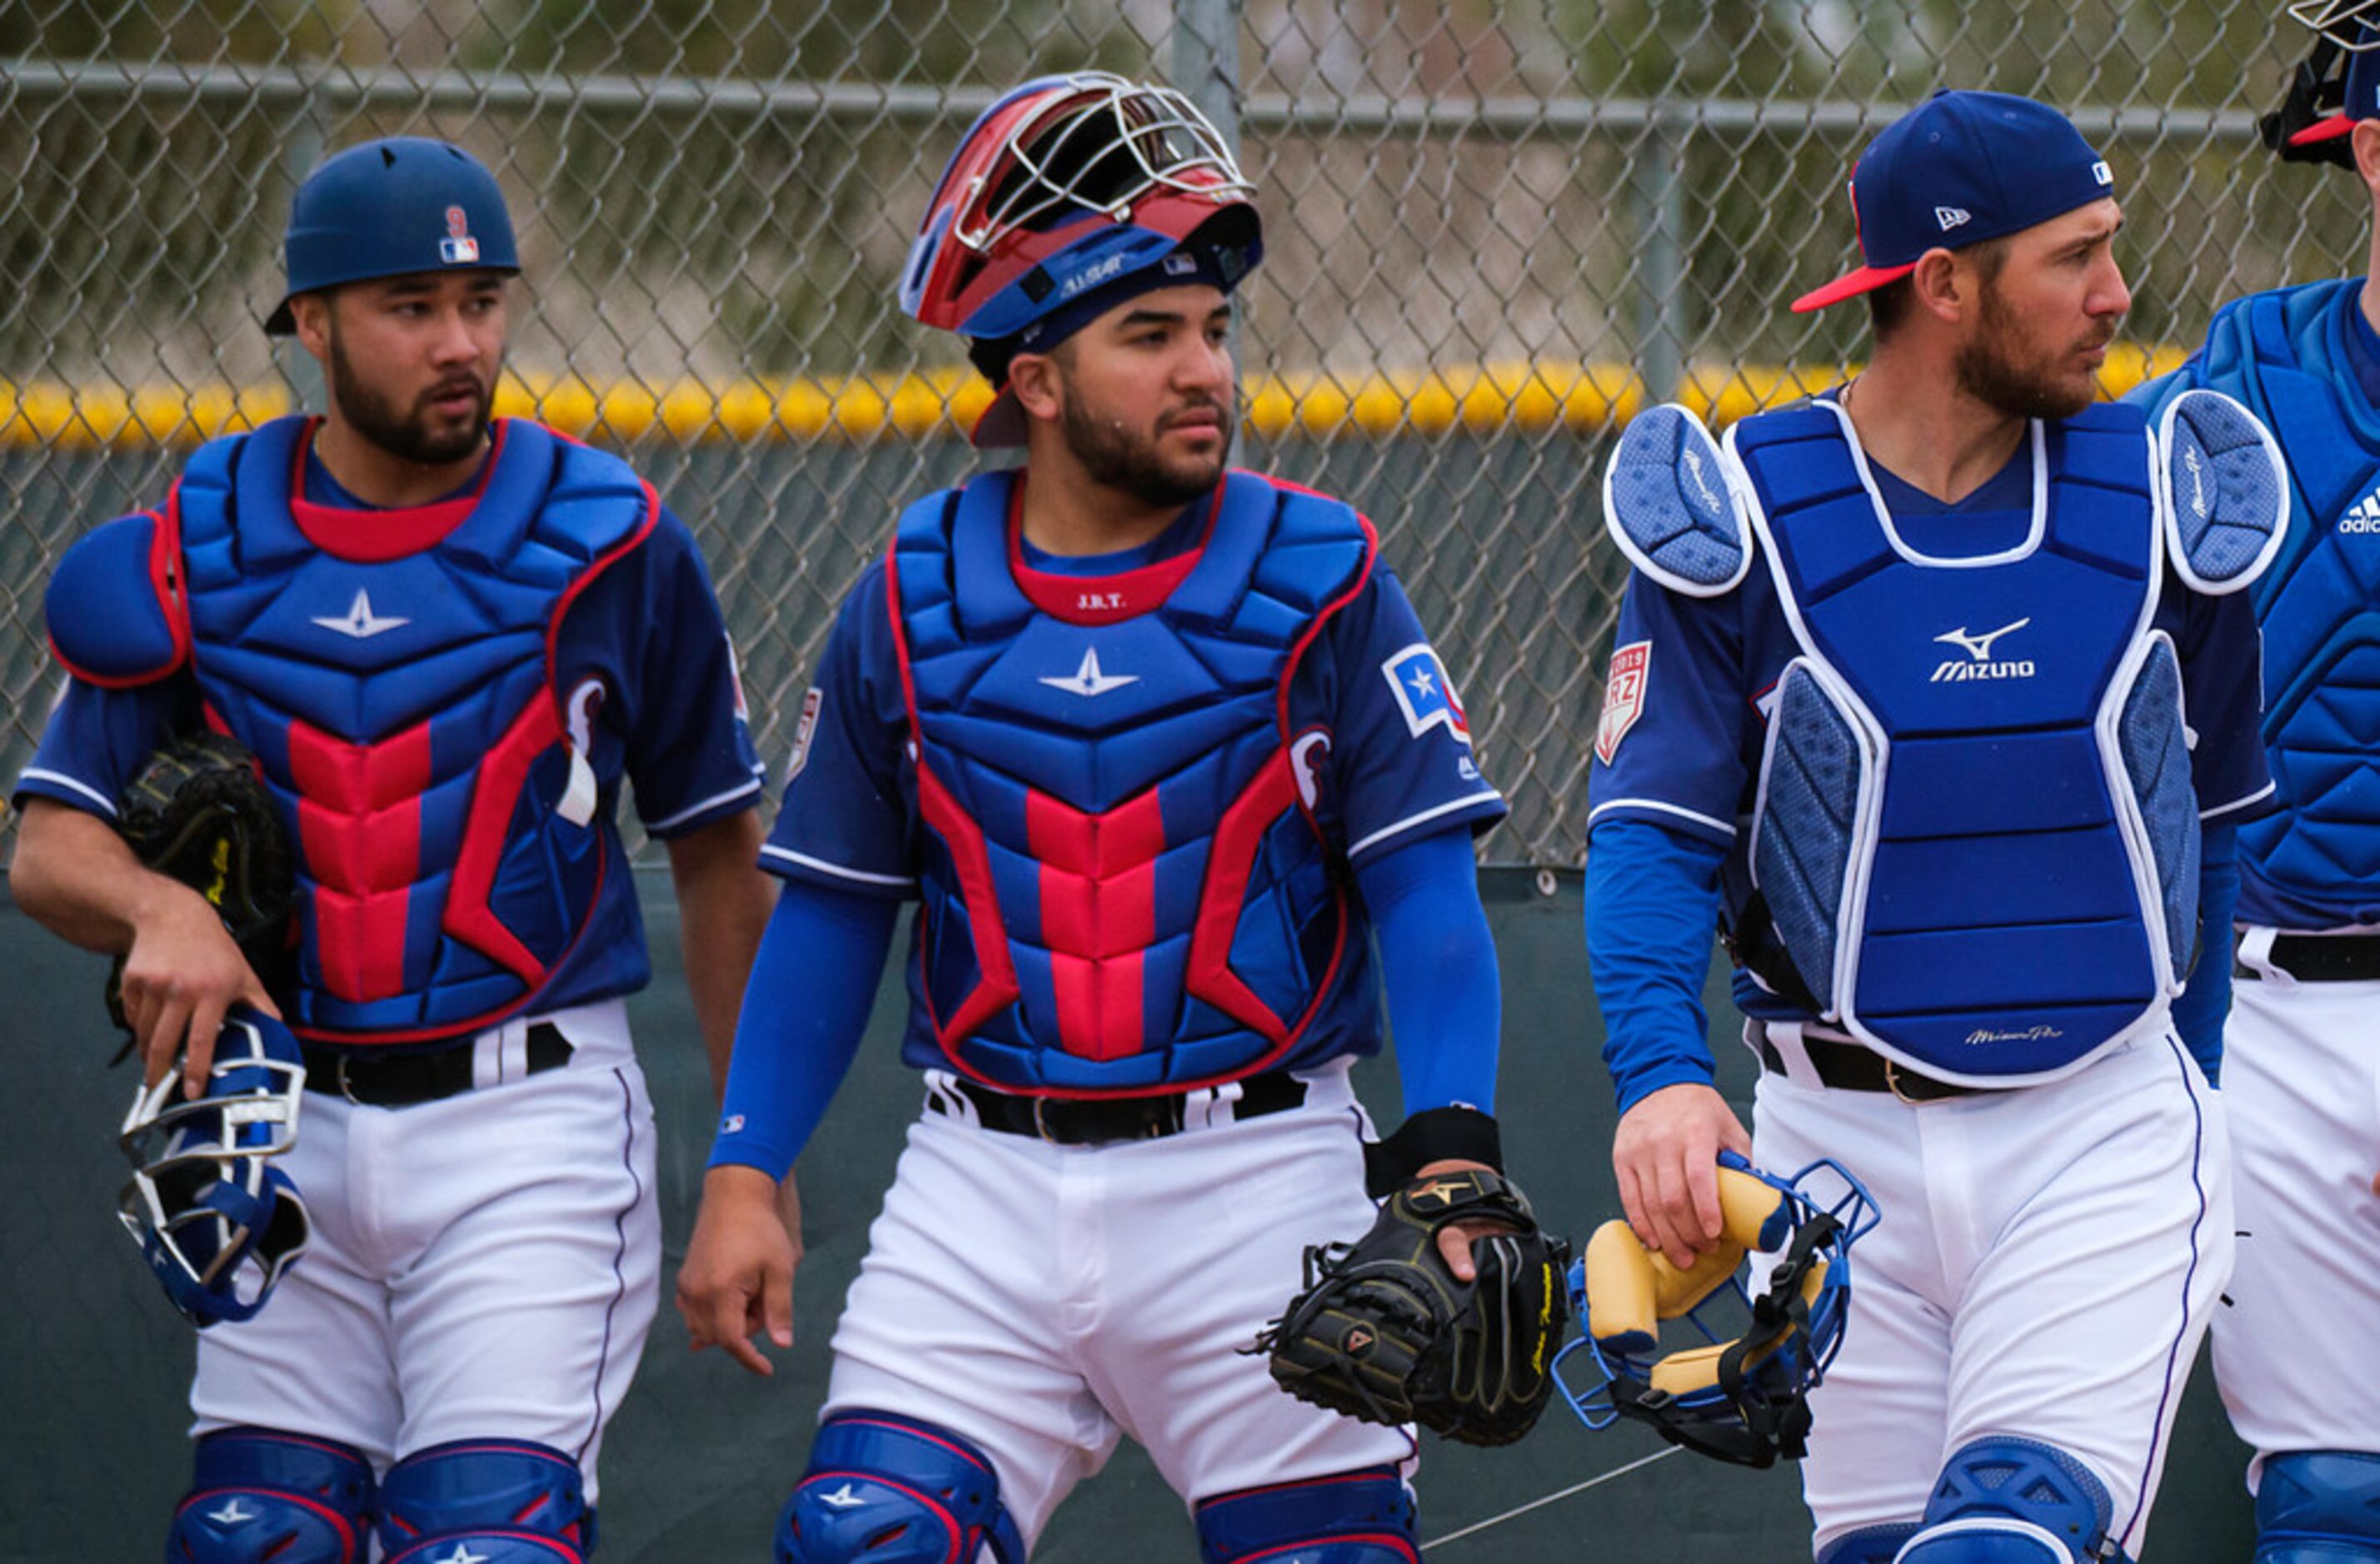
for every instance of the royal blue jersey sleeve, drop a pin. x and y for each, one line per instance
(1652, 912)
(804, 1013)
(2223, 702)
(96, 739)
(847, 821)
(1680, 733)
(1376, 717)
(1438, 962)
(652, 629)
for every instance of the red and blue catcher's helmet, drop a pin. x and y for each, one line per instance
(1072, 191)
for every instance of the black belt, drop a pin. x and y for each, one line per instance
(2320, 958)
(400, 1080)
(1849, 1067)
(1089, 1120)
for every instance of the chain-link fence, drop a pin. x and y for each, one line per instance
(1495, 227)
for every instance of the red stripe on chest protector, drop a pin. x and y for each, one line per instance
(1099, 915)
(360, 827)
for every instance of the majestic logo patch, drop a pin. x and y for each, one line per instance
(1624, 697)
(812, 701)
(1087, 680)
(2364, 515)
(359, 622)
(1424, 692)
(1979, 654)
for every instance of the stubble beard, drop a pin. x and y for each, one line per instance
(1990, 373)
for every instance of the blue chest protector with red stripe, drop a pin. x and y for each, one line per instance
(1123, 890)
(402, 709)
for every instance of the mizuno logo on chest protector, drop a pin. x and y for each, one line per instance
(1086, 680)
(360, 620)
(1979, 652)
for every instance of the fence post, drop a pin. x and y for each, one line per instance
(1207, 61)
(1656, 175)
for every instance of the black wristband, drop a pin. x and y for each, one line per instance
(1434, 1134)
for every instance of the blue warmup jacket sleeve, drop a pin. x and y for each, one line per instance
(804, 1011)
(2205, 1001)
(1439, 963)
(1652, 908)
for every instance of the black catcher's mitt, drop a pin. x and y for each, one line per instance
(198, 812)
(1383, 1333)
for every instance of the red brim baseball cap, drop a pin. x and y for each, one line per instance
(1850, 284)
(1957, 170)
(2329, 130)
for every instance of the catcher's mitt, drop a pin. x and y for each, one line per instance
(1383, 1333)
(198, 812)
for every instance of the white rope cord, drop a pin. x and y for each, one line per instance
(1550, 1498)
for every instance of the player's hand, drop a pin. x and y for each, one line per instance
(738, 1276)
(1455, 1241)
(183, 971)
(1665, 1153)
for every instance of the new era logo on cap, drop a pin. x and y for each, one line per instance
(1951, 216)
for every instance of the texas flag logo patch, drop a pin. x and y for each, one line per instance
(1624, 697)
(1424, 692)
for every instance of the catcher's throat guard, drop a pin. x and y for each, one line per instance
(1740, 1393)
(217, 1223)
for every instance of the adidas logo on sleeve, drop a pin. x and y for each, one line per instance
(2364, 515)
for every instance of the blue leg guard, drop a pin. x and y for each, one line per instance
(486, 1501)
(1361, 1518)
(1869, 1544)
(891, 1490)
(257, 1494)
(2319, 1506)
(2015, 1501)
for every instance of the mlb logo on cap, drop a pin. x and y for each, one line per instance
(1957, 170)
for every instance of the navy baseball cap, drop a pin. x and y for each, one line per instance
(390, 208)
(1957, 170)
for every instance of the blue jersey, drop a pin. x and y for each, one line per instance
(646, 654)
(1379, 744)
(2308, 362)
(1693, 682)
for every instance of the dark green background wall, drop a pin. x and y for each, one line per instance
(93, 1364)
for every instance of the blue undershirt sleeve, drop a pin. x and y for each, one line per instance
(804, 1011)
(1652, 907)
(2205, 1000)
(1438, 962)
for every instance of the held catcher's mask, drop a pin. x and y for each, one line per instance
(216, 1221)
(1740, 1393)
(2311, 125)
(1069, 183)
